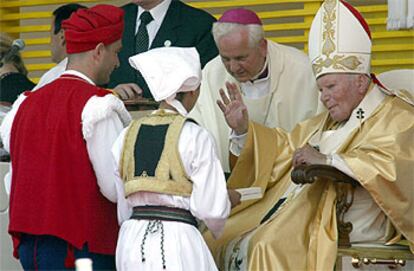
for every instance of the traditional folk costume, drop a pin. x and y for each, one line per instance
(271, 99)
(169, 173)
(294, 227)
(59, 138)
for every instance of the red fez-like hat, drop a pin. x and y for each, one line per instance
(240, 16)
(86, 28)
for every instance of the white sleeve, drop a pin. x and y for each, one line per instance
(7, 180)
(340, 164)
(5, 133)
(101, 125)
(237, 143)
(123, 208)
(7, 123)
(209, 200)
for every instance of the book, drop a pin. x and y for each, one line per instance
(250, 193)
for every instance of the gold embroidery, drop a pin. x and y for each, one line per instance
(329, 18)
(338, 62)
(127, 161)
(170, 176)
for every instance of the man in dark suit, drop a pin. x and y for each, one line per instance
(172, 23)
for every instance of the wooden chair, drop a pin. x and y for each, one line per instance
(141, 104)
(361, 256)
(141, 107)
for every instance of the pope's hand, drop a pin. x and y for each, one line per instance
(234, 109)
(308, 156)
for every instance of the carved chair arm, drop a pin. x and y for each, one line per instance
(344, 185)
(138, 104)
(304, 174)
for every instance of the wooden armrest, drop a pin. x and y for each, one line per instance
(345, 186)
(138, 104)
(304, 174)
(5, 104)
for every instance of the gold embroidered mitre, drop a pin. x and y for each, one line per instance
(339, 40)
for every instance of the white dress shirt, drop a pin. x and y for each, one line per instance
(158, 13)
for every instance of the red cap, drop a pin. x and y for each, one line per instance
(358, 16)
(240, 16)
(86, 28)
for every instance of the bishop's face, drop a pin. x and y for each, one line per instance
(242, 61)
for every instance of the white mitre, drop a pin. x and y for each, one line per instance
(339, 40)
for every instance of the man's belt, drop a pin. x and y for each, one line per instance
(163, 213)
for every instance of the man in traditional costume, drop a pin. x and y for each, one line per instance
(170, 174)
(60, 139)
(367, 133)
(276, 81)
(58, 43)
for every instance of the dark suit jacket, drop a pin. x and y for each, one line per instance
(12, 84)
(183, 26)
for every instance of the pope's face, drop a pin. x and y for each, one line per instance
(339, 94)
(241, 61)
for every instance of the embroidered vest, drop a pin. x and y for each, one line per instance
(150, 160)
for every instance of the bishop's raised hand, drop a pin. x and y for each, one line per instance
(234, 109)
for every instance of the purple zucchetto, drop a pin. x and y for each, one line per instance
(240, 16)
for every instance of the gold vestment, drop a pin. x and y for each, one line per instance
(303, 234)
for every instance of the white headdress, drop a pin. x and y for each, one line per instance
(168, 71)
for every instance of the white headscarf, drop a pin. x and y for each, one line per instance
(169, 70)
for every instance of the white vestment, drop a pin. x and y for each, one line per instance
(184, 246)
(292, 97)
